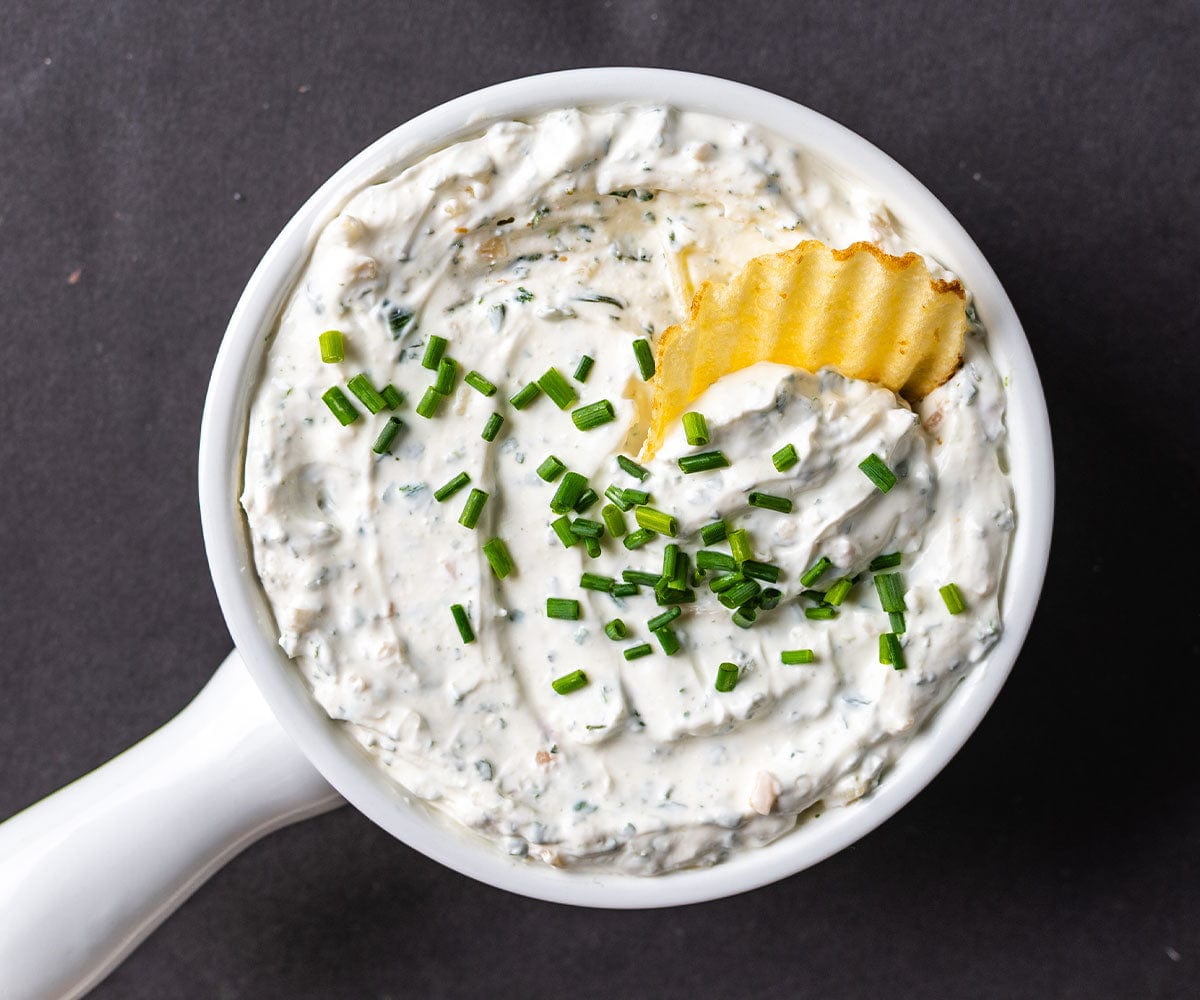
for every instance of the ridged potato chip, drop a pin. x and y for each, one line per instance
(861, 311)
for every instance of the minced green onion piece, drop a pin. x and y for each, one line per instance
(785, 458)
(587, 499)
(760, 570)
(656, 520)
(885, 652)
(383, 443)
(452, 487)
(473, 508)
(720, 584)
(638, 651)
(583, 368)
(815, 571)
(568, 493)
(838, 591)
(715, 532)
(639, 577)
(563, 608)
(592, 547)
(525, 395)
(769, 599)
(890, 587)
(589, 417)
(463, 622)
(435, 347)
(392, 396)
(645, 358)
(636, 539)
(896, 621)
(706, 461)
(660, 620)
(617, 496)
(562, 528)
(695, 428)
(624, 589)
(821, 614)
(333, 347)
(768, 501)
(707, 560)
(570, 682)
(616, 630)
(876, 470)
(447, 372)
(895, 653)
(492, 427)
(480, 384)
(739, 545)
(794, 656)
(727, 677)
(585, 527)
(885, 561)
(745, 616)
(667, 639)
(953, 598)
(814, 595)
(550, 469)
(614, 520)
(665, 594)
(629, 465)
(597, 581)
(554, 385)
(635, 497)
(367, 394)
(670, 560)
(428, 405)
(679, 579)
(496, 553)
(740, 593)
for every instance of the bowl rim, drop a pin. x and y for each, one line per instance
(333, 753)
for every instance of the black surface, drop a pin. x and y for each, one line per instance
(149, 152)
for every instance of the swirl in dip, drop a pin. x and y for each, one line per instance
(534, 244)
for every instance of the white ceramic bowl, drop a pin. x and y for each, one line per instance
(180, 804)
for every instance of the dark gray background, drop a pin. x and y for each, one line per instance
(150, 151)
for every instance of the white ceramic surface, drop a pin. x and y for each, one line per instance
(113, 808)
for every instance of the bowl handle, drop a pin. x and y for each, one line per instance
(87, 873)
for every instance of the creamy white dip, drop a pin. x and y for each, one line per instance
(528, 247)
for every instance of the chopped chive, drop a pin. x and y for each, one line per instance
(563, 608)
(896, 621)
(616, 630)
(695, 428)
(479, 383)
(447, 372)
(473, 508)
(727, 677)
(636, 497)
(636, 539)
(838, 591)
(715, 532)
(614, 520)
(596, 581)
(679, 579)
(585, 527)
(815, 571)
(492, 427)
(785, 458)
(333, 347)
(496, 553)
(769, 599)
(570, 682)
(568, 493)
(589, 417)
(656, 520)
(645, 358)
(463, 622)
(821, 614)
(760, 570)
(587, 499)
(667, 639)
(550, 469)
(707, 560)
(638, 577)
(890, 587)
(554, 385)
(664, 595)
(583, 368)
(953, 598)
(624, 589)
(617, 496)
(367, 394)
(392, 396)
(525, 395)
(383, 443)
(768, 501)
(660, 620)
(876, 470)
(890, 642)
(592, 547)
(562, 528)
(722, 583)
(739, 545)
(745, 616)
(452, 487)
(794, 656)
(885, 561)
(629, 465)
(428, 405)
(814, 595)
(706, 461)
(638, 651)
(435, 347)
(341, 407)
(670, 560)
(740, 593)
